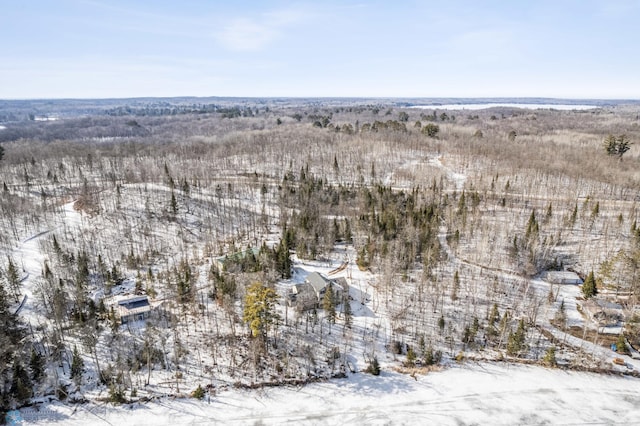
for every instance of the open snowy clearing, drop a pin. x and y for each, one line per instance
(462, 394)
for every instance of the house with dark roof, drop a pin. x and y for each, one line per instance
(134, 309)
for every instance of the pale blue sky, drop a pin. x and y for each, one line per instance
(402, 48)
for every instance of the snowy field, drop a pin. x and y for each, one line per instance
(463, 394)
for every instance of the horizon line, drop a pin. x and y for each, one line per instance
(484, 98)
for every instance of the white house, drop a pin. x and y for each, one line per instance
(134, 309)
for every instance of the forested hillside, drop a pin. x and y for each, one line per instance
(435, 232)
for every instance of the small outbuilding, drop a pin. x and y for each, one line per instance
(230, 261)
(562, 277)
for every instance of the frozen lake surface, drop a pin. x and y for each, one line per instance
(471, 393)
(474, 107)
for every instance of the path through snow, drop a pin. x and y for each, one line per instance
(29, 257)
(458, 178)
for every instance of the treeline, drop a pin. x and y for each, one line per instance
(162, 109)
(74, 129)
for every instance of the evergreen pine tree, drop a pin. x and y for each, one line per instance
(429, 356)
(173, 204)
(11, 335)
(259, 309)
(475, 326)
(589, 288)
(36, 364)
(516, 342)
(550, 357)
(574, 215)
(621, 344)
(561, 316)
(373, 367)
(411, 357)
(361, 260)
(347, 232)
(198, 393)
(346, 310)
(13, 278)
(456, 286)
(329, 304)
(422, 346)
(77, 365)
(494, 317)
(21, 387)
(462, 204)
(283, 260)
(532, 227)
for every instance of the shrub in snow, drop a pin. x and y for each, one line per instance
(550, 357)
(432, 357)
(198, 393)
(396, 347)
(373, 367)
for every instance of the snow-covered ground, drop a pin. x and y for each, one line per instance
(460, 394)
(30, 259)
(463, 394)
(458, 178)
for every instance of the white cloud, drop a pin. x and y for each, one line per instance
(249, 34)
(246, 34)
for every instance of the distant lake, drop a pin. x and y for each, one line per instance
(473, 107)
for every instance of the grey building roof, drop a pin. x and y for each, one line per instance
(134, 306)
(134, 302)
(317, 281)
